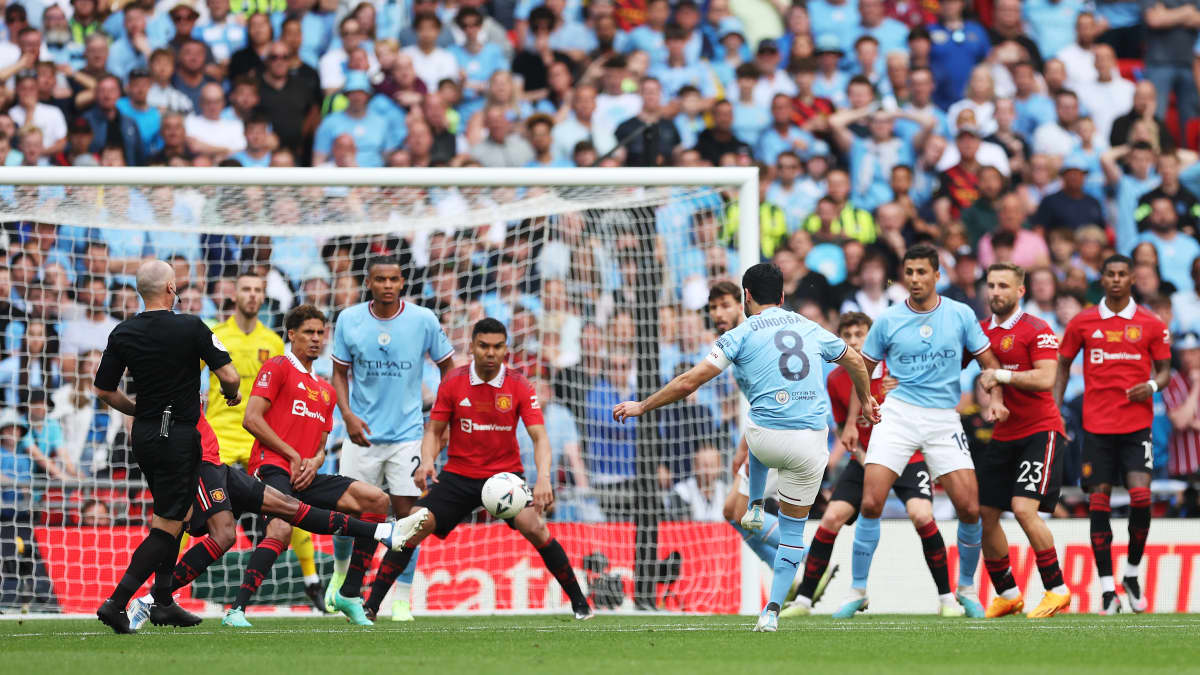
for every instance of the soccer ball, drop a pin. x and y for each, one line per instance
(505, 494)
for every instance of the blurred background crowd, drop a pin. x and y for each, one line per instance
(1046, 133)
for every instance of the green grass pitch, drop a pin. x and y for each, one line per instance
(630, 645)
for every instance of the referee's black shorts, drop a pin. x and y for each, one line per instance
(171, 465)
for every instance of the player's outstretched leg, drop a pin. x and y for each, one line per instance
(1100, 513)
(1139, 529)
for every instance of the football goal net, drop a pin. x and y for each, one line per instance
(600, 275)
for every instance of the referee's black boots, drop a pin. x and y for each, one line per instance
(172, 615)
(114, 617)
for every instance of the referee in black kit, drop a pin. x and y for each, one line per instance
(162, 351)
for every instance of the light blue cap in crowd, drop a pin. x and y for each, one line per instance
(356, 80)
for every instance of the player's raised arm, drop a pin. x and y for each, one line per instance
(677, 389)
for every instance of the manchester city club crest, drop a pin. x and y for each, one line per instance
(926, 331)
(782, 397)
(384, 339)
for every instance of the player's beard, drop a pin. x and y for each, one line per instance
(1002, 310)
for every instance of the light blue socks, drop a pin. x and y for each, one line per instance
(970, 538)
(788, 558)
(866, 539)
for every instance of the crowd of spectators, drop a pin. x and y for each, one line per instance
(1046, 133)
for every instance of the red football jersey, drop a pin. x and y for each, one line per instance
(1018, 343)
(210, 448)
(841, 390)
(301, 409)
(483, 420)
(1119, 353)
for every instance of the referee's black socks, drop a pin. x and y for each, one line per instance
(148, 557)
(164, 574)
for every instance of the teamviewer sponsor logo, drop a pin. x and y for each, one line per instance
(1100, 356)
(301, 408)
(465, 425)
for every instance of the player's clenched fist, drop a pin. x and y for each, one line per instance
(627, 409)
(425, 476)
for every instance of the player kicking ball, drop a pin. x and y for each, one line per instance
(290, 413)
(1021, 469)
(913, 487)
(924, 342)
(481, 403)
(223, 495)
(725, 312)
(774, 354)
(1128, 360)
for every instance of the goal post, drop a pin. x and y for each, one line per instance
(599, 274)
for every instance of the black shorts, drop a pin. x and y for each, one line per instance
(171, 465)
(323, 493)
(915, 482)
(1025, 467)
(223, 488)
(1108, 457)
(452, 499)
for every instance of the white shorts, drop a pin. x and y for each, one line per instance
(390, 466)
(743, 485)
(800, 455)
(906, 428)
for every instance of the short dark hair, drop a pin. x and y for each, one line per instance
(764, 283)
(386, 260)
(922, 252)
(849, 319)
(1114, 259)
(747, 70)
(425, 17)
(488, 326)
(298, 315)
(723, 288)
(467, 13)
(673, 31)
(1008, 267)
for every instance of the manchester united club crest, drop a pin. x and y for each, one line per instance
(1006, 342)
(217, 495)
(325, 396)
(263, 355)
(1133, 332)
(504, 402)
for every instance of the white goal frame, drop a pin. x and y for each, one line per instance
(744, 179)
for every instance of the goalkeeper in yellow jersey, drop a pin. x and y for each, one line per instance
(251, 344)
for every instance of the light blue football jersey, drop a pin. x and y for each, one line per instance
(776, 357)
(386, 361)
(925, 350)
